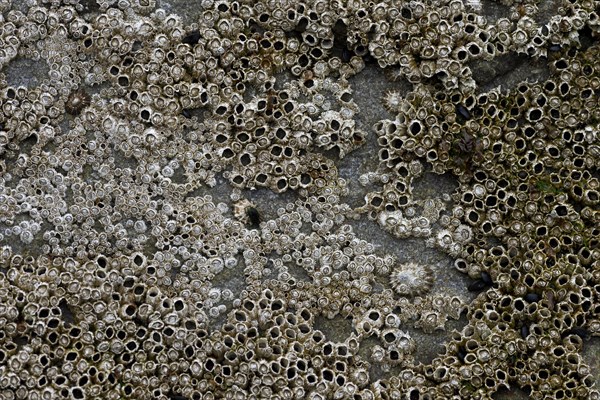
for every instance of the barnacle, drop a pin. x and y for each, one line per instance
(392, 100)
(77, 101)
(411, 279)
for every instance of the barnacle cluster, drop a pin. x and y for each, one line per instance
(137, 261)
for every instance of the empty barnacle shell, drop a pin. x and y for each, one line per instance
(411, 279)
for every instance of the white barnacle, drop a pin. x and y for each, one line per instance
(392, 100)
(387, 218)
(411, 279)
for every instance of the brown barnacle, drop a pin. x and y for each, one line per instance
(467, 148)
(467, 143)
(77, 101)
(550, 300)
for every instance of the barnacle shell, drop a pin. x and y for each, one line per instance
(77, 101)
(411, 279)
(392, 100)
(431, 321)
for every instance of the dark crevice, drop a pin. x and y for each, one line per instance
(510, 394)
(586, 38)
(507, 70)
(67, 314)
